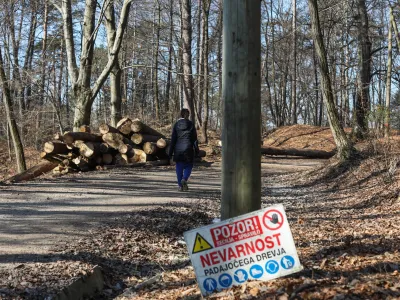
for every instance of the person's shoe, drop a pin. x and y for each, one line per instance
(185, 187)
(180, 189)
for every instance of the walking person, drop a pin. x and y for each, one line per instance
(183, 148)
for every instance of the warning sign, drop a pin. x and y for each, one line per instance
(201, 244)
(255, 246)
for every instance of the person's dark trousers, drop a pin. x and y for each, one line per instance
(183, 171)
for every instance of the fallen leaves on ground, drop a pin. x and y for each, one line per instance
(346, 229)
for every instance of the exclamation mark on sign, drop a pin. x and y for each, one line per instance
(199, 240)
(201, 244)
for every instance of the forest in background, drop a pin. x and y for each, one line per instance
(70, 63)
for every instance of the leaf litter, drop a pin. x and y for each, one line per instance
(346, 228)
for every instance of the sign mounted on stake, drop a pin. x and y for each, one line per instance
(255, 246)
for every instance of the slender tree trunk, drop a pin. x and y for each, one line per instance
(206, 13)
(155, 74)
(170, 53)
(42, 94)
(344, 147)
(19, 151)
(396, 31)
(294, 71)
(187, 58)
(389, 77)
(199, 65)
(364, 77)
(116, 73)
(29, 59)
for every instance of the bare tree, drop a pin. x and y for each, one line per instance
(80, 78)
(344, 147)
(12, 125)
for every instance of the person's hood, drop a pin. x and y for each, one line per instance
(184, 124)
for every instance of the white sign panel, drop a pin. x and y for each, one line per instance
(255, 246)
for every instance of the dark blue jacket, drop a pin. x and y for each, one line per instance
(184, 144)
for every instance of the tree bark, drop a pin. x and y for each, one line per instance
(12, 125)
(32, 173)
(83, 94)
(294, 70)
(241, 170)
(170, 53)
(206, 13)
(70, 137)
(364, 77)
(140, 127)
(344, 147)
(297, 152)
(116, 73)
(389, 77)
(187, 58)
(156, 63)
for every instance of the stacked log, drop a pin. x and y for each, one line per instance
(129, 144)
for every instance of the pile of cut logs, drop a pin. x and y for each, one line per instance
(130, 142)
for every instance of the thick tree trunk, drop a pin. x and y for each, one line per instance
(70, 137)
(241, 170)
(187, 58)
(344, 147)
(364, 77)
(140, 127)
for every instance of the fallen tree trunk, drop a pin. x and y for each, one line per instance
(297, 152)
(150, 148)
(56, 147)
(139, 127)
(124, 126)
(138, 138)
(70, 137)
(162, 143)
(105, 128)
(141, 164)
(31, 173)
(89, 149)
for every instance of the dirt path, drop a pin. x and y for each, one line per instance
(39, 215)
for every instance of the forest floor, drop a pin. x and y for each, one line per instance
(346, 226)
